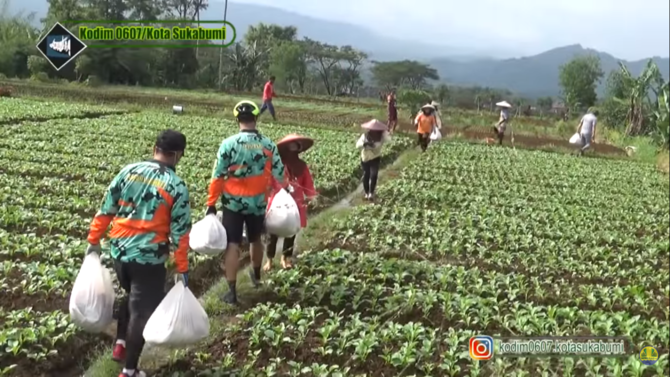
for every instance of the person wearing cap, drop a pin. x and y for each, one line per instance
(268, 95)
(425, 122)
(587, 130)
(503, 121)
(298, 182)
(147, 205)
(370, 143)
(245, 166)
(392, 111)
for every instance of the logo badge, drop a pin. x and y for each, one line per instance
(60, 46)
(481, 347)
(649, 355)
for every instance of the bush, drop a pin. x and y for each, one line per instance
(565, 128)
(93, 81)
(40, 77)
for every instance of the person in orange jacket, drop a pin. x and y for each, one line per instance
(425, 122)
(298, 181)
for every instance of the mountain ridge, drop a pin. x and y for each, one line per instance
(530, 76)
(536, 75)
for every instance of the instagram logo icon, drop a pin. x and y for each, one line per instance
(481, 347)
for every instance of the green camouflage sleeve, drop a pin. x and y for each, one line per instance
(221, 166)
(107, 211)
(180, 226)
(277, 165)
(222, 162)
(110, 202)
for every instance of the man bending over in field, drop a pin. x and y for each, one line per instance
(245, 166)
(148, 207)
(587, 130)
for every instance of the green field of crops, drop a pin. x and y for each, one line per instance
(52, 177)
(469, 240)
(464, 240)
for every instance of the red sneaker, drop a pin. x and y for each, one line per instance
(119, 353)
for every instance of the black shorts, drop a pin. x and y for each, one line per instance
(234, 223)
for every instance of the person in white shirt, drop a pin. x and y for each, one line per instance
(370, 143)
(587, 130)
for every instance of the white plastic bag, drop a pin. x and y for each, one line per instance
(178, 321)
(436, 134)
(576, 139)
(92, 298)
(208, 236)
(282, 218)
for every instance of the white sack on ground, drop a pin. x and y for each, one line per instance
(282, 218)
(576, 139)
(178, 321)
(208, 236)
(92, 298)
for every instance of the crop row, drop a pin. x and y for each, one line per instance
(50, 190)
(468, 240)
(601, 221)
(14, 110)
(396, 317)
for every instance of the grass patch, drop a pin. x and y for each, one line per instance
(319, 228)
(663, 162)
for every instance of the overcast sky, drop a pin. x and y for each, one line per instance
(628, 29)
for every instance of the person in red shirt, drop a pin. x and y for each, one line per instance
(268, 95)
(392, 112)
(299, 178)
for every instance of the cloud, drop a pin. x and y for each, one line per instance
(629, 30)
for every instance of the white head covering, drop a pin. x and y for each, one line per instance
(503, 104)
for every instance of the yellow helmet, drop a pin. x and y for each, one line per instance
(246, 108)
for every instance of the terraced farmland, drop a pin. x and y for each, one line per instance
(468, 240)
(52, 177)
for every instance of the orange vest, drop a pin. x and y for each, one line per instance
(426, 123)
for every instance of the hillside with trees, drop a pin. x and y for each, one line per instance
(636, 99)
(531, 76)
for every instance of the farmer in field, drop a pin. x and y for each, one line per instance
(300, 184)
(148, 207)
(371, 143)
(268, 95)
(425, 122)
(587, 130)
(503, 121)
(245, 165)
(392, 112)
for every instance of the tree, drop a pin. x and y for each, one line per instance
(442, 93)
(17, 38)
(407, 72)
(288, 63)
(413, 99)
(348, 71)
(269, 35)
(325, 57)
(579, 79)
